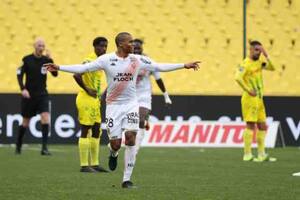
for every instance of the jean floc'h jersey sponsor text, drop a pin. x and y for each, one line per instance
(123, 77)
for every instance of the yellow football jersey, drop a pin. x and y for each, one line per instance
(92, 79)
(250, 75)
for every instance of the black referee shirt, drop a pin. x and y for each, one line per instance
(36, 74)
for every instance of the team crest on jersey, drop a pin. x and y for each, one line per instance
(133, 62)
(241, 68)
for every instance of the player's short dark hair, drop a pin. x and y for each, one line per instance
(139, 41)
(120, 37)
(98, 40)
(254, 43)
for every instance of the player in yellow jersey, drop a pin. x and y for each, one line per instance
(249, 76)
(88, 106)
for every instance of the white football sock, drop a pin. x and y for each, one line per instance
(129, 159)
(139, 139)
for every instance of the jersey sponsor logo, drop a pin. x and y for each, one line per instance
(113, 60)
(132, 118)
(43, 70)
(123, 77)
(112, 64)
(120, 87)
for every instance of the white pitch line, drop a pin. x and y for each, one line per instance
(296, 174)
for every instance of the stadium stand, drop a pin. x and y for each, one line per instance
(213, 34)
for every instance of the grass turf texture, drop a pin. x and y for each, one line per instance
(160, 173)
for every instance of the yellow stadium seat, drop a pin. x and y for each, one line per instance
(176, 31)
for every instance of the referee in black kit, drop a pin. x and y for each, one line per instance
(34, 93)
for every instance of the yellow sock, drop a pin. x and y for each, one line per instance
(247, 136)
(84, 144)
(94, 150)
(261, 142)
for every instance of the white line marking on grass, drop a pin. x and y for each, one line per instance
(296, 174)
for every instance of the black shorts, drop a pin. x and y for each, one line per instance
(34, 105)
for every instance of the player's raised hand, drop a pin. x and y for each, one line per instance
(192, 65)
(263, 51)
(51, 67)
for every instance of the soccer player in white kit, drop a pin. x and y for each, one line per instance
(144, 94)
(121, 69)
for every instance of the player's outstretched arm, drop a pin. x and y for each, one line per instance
(80, 68)
(166, 67)
(77, 68)
(151, 65)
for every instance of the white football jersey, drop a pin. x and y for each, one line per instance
(121, 74)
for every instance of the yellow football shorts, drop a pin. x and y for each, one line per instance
(88, 109)
(253, 109)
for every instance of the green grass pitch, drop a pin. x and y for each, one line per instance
(160, 173)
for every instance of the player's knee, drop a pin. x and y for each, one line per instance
(96, 131)
(262, 126)
(130, 138)
(251, 125)
(25, 122)
(130, 142)
(45, 118)
(115, 145)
